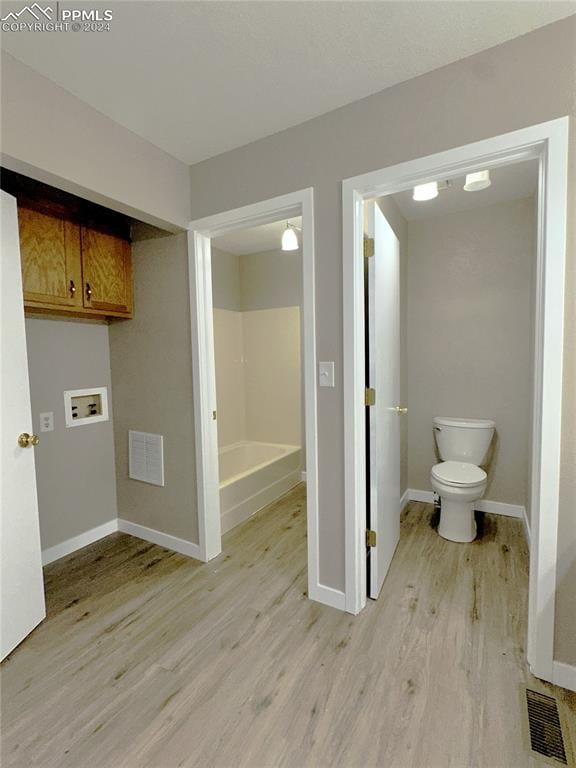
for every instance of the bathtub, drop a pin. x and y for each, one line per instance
(253, 475)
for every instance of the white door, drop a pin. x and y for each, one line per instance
(21, 586)
(383, 373)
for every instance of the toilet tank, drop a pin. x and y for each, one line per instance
(463, 439)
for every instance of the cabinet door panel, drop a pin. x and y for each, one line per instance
(50, 256)
(107, 272)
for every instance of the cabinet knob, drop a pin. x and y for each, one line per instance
(88, 291)
(72, 288)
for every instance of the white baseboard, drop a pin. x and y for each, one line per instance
(327, 596)
(526, 528)
(248, 507)
(404, 499)
(303, 476)
(482, 505)
(183, 546)
(77, 542)
(564, 675)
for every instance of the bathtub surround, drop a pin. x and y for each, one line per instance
(471, 282)
(258, 375)
(75, 472)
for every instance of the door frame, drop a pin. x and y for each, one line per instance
(200, 232)
(547, 143)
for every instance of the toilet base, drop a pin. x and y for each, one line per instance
(457, 521)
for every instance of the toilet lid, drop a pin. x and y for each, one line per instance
(458, 473)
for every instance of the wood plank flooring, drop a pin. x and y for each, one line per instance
(148, 659)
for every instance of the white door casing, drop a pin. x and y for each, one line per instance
(22, 589)
(383, 299)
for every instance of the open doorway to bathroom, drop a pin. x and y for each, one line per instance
(256, 309)
(274, 434)
(527, 273)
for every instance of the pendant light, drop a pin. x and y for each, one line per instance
(424, 192)
(477, 181)
(289, 238)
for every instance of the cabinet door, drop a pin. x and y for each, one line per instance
(50, 257)
(107, 272)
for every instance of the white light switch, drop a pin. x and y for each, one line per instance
(326, 374)
(47, 422)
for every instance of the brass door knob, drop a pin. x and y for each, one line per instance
(25, 440)
(400, 410)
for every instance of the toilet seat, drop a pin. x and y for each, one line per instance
(458, 473)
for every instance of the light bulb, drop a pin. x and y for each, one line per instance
(477, 181)
(289, 239)
(424, 192)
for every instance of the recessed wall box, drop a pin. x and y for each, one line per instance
(85, 406)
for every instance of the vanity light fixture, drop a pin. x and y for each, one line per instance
(424, 192)
(290, 238)
(477, 181)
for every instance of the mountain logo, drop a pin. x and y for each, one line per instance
(39, 13)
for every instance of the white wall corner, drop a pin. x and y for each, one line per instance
(78, 542)
(183, 546)
(564, 675)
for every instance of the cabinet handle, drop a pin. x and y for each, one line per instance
(72, 288)
(88, 291)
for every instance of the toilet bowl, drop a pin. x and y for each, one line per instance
(459, 486)
(459, 481)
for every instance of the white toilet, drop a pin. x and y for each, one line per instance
(460, 482)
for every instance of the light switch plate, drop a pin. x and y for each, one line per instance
(47, 421)
(326, 374)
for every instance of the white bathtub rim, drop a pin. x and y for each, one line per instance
(288, 451)
(262, 498)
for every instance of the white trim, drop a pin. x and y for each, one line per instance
(69, 394)
(548, 143)
(299, 203)
(183, 546)
(564, 675)
(526, 523)
(78, 542)
(404, 499)
(303, 476)
(482, 505)
(335, 598)
(247, 508)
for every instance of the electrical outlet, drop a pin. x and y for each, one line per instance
(47, 422)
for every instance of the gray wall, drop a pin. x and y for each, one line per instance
(53, 136)
(470, 290)
(399, 225)
(250, 281)
(74, 466)
(525, 81)
(152, 379)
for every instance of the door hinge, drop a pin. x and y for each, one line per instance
(370, 538)
(369, 396)
(368, 247)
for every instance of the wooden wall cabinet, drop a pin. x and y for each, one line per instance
(73, 270)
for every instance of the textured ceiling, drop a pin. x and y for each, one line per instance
(509, 182)
(267, 237)
(200, 78)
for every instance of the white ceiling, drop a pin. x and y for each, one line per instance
(267, 237)
(200, 78)
(510, 182)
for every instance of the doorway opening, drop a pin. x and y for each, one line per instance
(546, 144)
(287, 208)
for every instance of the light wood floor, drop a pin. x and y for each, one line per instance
(151, 660)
